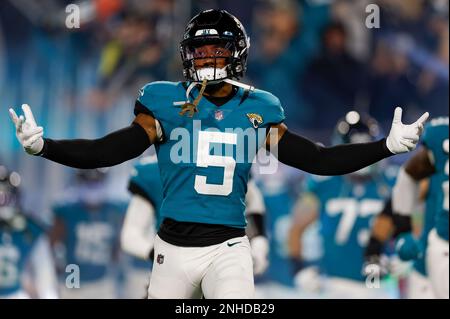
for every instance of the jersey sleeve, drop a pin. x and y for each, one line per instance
(153, 98)
(145, 181)
(273, 112)
(277, 111)
(145, 103)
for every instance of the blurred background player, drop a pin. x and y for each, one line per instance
(142, 221)
(26, 262)
(429, 164)
(85, 233)
(389, 224)
(344, 206)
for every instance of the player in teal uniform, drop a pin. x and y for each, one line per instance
(206, 132)
(87, 225)
(24, 248)
(345, 207)
(429, 162)
(143, 219)
(141, 223)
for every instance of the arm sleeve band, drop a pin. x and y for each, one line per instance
(301, 153)
(113, 149)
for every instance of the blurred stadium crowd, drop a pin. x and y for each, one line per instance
(317, 56)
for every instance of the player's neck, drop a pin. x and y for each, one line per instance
(221, 89)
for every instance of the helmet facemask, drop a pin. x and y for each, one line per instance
(208, 59)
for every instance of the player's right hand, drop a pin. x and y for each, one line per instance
(27, 132)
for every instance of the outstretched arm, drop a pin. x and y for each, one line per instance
(110, 150)
(299, 152)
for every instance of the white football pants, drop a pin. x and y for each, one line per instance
(137, 282)
(218, 271)
(419, 286)
(437, 264)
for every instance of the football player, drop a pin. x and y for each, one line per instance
(27, 269)
(85, 233)
(344, 206)
(206, 131)
(143, 219)
(429, 279)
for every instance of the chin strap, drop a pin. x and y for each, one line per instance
(239, 84)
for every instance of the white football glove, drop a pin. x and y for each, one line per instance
(403, 138)
(260, 249)
(27, 132)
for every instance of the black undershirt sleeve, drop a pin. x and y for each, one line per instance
(301, 153)
(113, 149)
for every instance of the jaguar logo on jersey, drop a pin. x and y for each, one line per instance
(160, 259)
(255, 119)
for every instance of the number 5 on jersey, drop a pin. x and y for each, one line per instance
(205, 159)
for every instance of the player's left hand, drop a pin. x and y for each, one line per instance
(404, 138)
(260, 249)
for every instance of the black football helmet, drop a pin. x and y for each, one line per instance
(91, 176)
(356, 127)
(215, 27)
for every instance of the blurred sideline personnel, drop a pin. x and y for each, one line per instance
(143, 220)
(85, 233)
(344, 206)
(202, 244)
(26, 262)
(430, 252)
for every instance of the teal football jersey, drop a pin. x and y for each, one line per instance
(436, 140)
(145, 175)
(346, 212)
(205, 160)
(91, 236)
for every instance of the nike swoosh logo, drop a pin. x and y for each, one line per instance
(232, 244)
